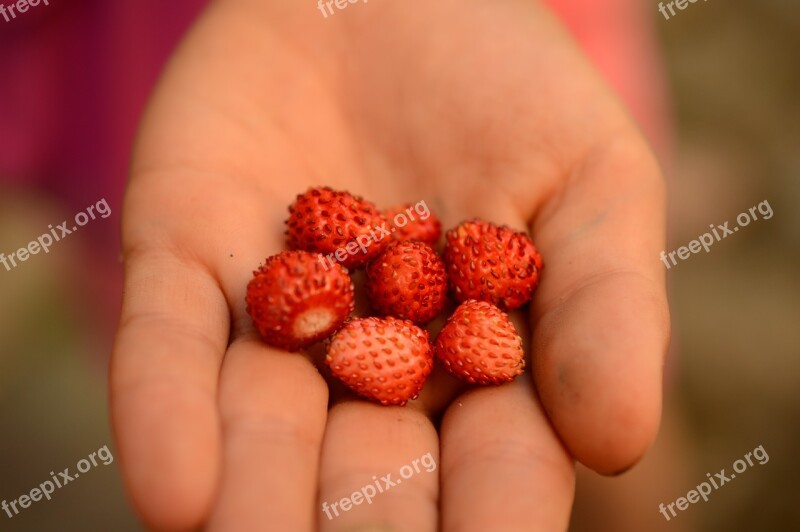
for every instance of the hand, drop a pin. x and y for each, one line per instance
(479, 108)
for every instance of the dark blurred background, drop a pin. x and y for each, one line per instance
(734, 374)
(75, 77)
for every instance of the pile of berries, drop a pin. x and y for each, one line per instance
(300, 297)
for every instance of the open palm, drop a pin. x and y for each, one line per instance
(479, 108)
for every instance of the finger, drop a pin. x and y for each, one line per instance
(273, 406)
(378, 469)
(503, 468)
(601, 323)
(163, 388)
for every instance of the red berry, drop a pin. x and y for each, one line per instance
(479, 344)
(407, 281)
(491, 263)
(341, 226)
(383, 359)
(295, 301)
(424, 227)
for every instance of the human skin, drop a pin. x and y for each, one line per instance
(481, 109)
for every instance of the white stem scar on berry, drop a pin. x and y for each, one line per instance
(312, 322)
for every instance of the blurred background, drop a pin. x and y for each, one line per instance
(75, 77)
(733, 379)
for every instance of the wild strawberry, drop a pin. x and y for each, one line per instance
(407, 281)
(383, 359)
(295, 302)
(344, 227)
(491, 263)
(427, 229)
(479, 344)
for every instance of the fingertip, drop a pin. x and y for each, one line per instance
(620, 439)
(598, 368)
(171, 475)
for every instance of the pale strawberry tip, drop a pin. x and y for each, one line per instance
(294, 303)
(313, 322)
